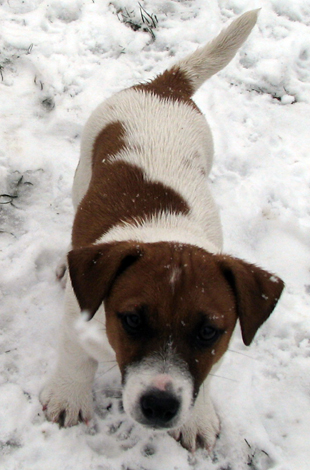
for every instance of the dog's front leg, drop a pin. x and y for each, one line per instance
(203, 426)
(67, 397)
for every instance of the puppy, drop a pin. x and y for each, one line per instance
(146, 263)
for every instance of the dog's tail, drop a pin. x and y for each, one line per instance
(215, 55)
(187, 75)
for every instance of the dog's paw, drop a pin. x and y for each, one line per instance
(200, 431)
(66, 402)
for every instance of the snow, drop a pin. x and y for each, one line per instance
(58, 60)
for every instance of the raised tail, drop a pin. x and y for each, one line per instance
(214, 56)
(187, 75)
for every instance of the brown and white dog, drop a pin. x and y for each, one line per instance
(146, 257)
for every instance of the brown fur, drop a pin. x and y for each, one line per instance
(172, 85)
(119, 192)
(109, 142)
(129, 277)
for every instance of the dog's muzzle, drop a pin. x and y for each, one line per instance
(158, 393)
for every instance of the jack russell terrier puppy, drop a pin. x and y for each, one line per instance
(146, 257)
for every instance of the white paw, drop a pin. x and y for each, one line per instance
(66, 402)
(200, 431)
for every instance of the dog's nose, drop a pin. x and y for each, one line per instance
(159, 407)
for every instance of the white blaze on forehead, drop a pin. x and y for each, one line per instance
(175, 275)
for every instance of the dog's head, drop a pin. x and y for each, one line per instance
(170, 312)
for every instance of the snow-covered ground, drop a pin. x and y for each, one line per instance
(58, 60)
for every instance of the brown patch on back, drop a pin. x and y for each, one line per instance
(172, 85)
(109, 142)
(119, 192)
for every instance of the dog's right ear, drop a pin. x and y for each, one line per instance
(93, 270)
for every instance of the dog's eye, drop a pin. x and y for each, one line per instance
(207, 335)
(131, 322)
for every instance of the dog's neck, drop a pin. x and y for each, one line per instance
(166, 227)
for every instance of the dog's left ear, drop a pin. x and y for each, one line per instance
(257, 292)
(94, 269)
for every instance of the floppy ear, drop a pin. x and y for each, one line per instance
(257, 292)
(93, 270)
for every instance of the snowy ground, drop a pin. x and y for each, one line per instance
(58, 60)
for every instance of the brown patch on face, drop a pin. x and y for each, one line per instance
(172, 85)
(119, 192)
(173, 315)
(200, 301)
(192, 317)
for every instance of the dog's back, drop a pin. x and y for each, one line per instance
(156, 133)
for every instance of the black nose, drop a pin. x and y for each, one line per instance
(159, 407)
